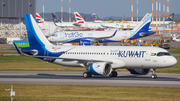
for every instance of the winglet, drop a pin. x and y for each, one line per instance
(114, 33)
(137, 43)
(18, 50)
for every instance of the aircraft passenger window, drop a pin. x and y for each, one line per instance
(107, 53)
(163, 54)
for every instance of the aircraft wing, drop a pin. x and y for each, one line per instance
(101, 38)
(75, 59)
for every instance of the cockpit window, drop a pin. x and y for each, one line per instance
(163, 54)
(55, 35)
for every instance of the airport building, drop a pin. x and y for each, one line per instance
(12, 10)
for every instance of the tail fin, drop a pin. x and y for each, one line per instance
(39, 18)
(96, 18)
(78, 18)
(55, 19)
(142, 28)
(35, 35)
(170, 18)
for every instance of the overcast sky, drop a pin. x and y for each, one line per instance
(104, 8)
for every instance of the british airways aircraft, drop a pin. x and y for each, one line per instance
(141, 30)
(80, 22)
(39, 18)
(98, 60)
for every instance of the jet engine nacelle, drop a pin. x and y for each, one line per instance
(139, 71)
(85, 42)
(100, 68)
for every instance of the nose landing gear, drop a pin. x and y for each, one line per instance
(153, 76)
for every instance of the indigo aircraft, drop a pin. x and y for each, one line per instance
(89, 37)
(98, 60)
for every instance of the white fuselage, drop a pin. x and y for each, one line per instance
(91, 25)
(120, 56)
(77, 35)
(66, 24)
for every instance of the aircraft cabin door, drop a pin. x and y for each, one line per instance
(148, 55)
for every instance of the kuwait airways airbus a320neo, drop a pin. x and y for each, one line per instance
(98, 60)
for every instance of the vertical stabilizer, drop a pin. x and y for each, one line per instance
(35, 35)
(96, 18)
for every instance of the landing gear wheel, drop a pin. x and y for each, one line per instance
(113, 74)
(87, 74)
(153, 76)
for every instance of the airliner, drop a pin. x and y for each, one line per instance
(48, 28)
(96, 18)
(58, 22)
(80, 22)
(129, 25)
(39, 18)
(88, 37)
(98, 60)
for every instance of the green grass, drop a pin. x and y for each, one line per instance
(173, 50)
(30, 63)
(88, 93)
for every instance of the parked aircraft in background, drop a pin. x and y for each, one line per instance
(141, 30)
(39, 18)
(96, 18)
(58, 22)
(48, 28)
(98, 60)
(80, 22)
(129, 25)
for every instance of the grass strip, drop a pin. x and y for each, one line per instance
(88, 93)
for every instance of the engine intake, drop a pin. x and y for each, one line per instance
(100, 68)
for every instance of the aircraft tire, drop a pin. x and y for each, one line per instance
(153, 76)
(87, 74)
(113, 74)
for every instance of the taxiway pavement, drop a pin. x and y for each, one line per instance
(76, 78)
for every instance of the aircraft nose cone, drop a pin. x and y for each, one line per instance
(173, 61)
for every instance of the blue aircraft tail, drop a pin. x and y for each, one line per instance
(35, 35)
(170, 18)
(142, 29)
(55, 19)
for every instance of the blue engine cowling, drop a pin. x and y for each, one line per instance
(100, 68)
(85, 42)
(139, 71)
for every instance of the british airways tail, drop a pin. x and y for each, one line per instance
(35, 35)
(142, 29)
(79, 19)
(170, 18)
(55, 19)
(96, 18)
(39, 18)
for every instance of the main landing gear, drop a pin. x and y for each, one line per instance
(153, 76)
(113, 74)
(87, 74)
